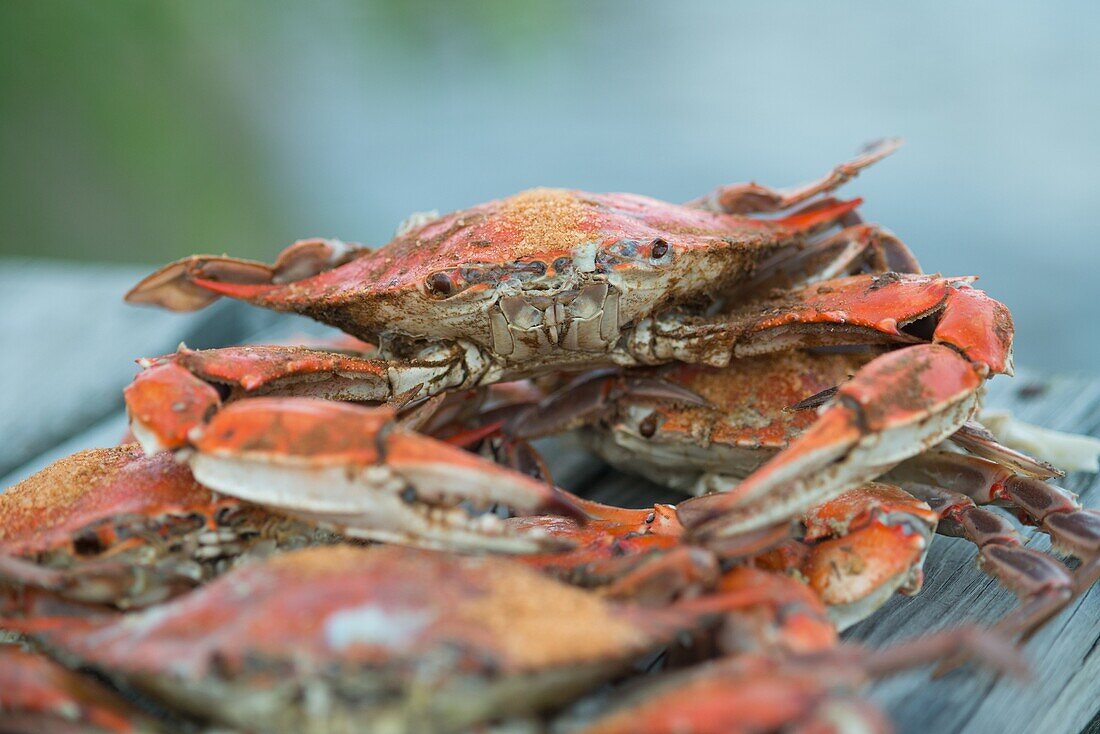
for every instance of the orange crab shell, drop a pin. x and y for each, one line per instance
(436, 280)
(431, 632)
(37, 695)
(81, 493)
(535, 226)
(750, 402)
(370, 606)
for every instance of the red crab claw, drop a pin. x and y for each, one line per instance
(166, 403)
(896, 406)
(1073, 530)
(858, 549)
(356, 468)
(752, 198)
(185, 284)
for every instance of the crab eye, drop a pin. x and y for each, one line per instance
(648, 426)
(444, 283)
(658, 249)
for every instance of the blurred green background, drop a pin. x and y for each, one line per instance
(145, 131)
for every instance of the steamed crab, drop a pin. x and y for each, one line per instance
(115, 528)
(552, 280)
(756, 407)
(331, 639)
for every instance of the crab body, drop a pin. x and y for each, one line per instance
(408, 640)
(546, 279)
(564, 280)
(117, 528)
(38, 695)
(757, 407)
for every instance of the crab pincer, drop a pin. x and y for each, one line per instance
(895, 407)
(359, 470)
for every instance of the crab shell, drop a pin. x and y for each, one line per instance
(749, 419)
(324, 639)
(546, 274)
(38, 695)
(116, 526)
(744, 695)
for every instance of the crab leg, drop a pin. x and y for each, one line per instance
(173, 286)
(856, 249)
(1043, 585)
(318, 373)
(752, 198)
(1073, 530)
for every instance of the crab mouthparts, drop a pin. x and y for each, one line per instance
(584, 319)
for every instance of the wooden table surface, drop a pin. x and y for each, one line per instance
(67, 350)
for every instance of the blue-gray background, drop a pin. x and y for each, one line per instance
(140, 132)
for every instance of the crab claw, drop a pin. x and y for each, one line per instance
(357, 468)
(895, 407)
(868, 543)
(165, 403)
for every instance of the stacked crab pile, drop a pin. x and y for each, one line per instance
(361, 538)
